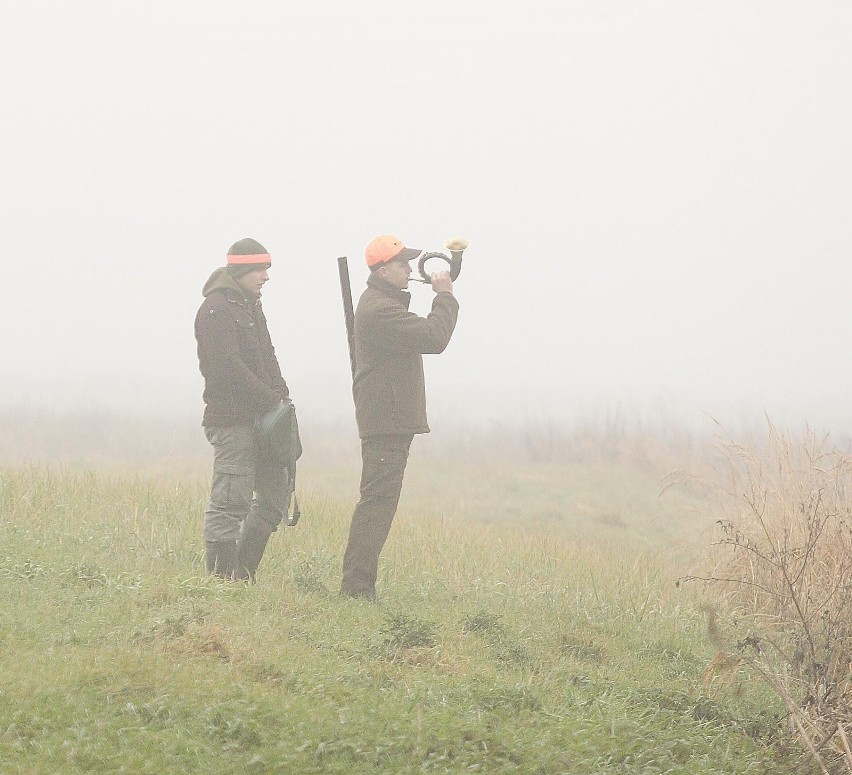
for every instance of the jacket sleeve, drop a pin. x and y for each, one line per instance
(395, 329)
(220, 361)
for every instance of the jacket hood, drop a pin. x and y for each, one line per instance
(222, 280)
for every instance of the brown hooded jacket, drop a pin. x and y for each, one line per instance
(242, 378)
(390, 341)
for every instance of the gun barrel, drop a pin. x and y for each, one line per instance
(348, 311)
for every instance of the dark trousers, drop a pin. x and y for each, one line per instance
(383, 461)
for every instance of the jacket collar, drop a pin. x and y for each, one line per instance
(383, 286)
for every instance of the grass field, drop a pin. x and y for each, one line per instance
(529, 621)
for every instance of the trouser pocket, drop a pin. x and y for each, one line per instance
(232, 487)
(383, 466)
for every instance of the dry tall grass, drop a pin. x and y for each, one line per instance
(781, 576)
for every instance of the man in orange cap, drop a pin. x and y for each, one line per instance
(390, 396)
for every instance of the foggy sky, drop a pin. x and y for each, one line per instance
(657, 195)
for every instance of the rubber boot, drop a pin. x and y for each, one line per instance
(253, 538)
(221, 558)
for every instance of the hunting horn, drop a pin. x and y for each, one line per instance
(456, 246)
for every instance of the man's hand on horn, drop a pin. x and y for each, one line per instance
(441, 282)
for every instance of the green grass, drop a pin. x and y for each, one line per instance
(492, 649)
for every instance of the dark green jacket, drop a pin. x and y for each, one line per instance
(242, 378)
(390, 341)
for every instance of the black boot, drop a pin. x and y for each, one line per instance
(253, 539)
(221, 558)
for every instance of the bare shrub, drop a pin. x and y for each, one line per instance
(781, 575)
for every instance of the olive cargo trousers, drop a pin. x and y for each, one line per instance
(243, 482)
(383, 461)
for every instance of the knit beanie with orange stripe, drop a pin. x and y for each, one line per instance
(246, 255)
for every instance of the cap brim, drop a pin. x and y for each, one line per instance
(406, 254)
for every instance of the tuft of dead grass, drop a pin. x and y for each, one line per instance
(205, 640)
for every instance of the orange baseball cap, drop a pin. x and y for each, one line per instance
(386, 247)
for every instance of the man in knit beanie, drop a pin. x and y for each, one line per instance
(250, 491)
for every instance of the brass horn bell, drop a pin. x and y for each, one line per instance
(456, 246)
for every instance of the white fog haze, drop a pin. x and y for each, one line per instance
(657, 197)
